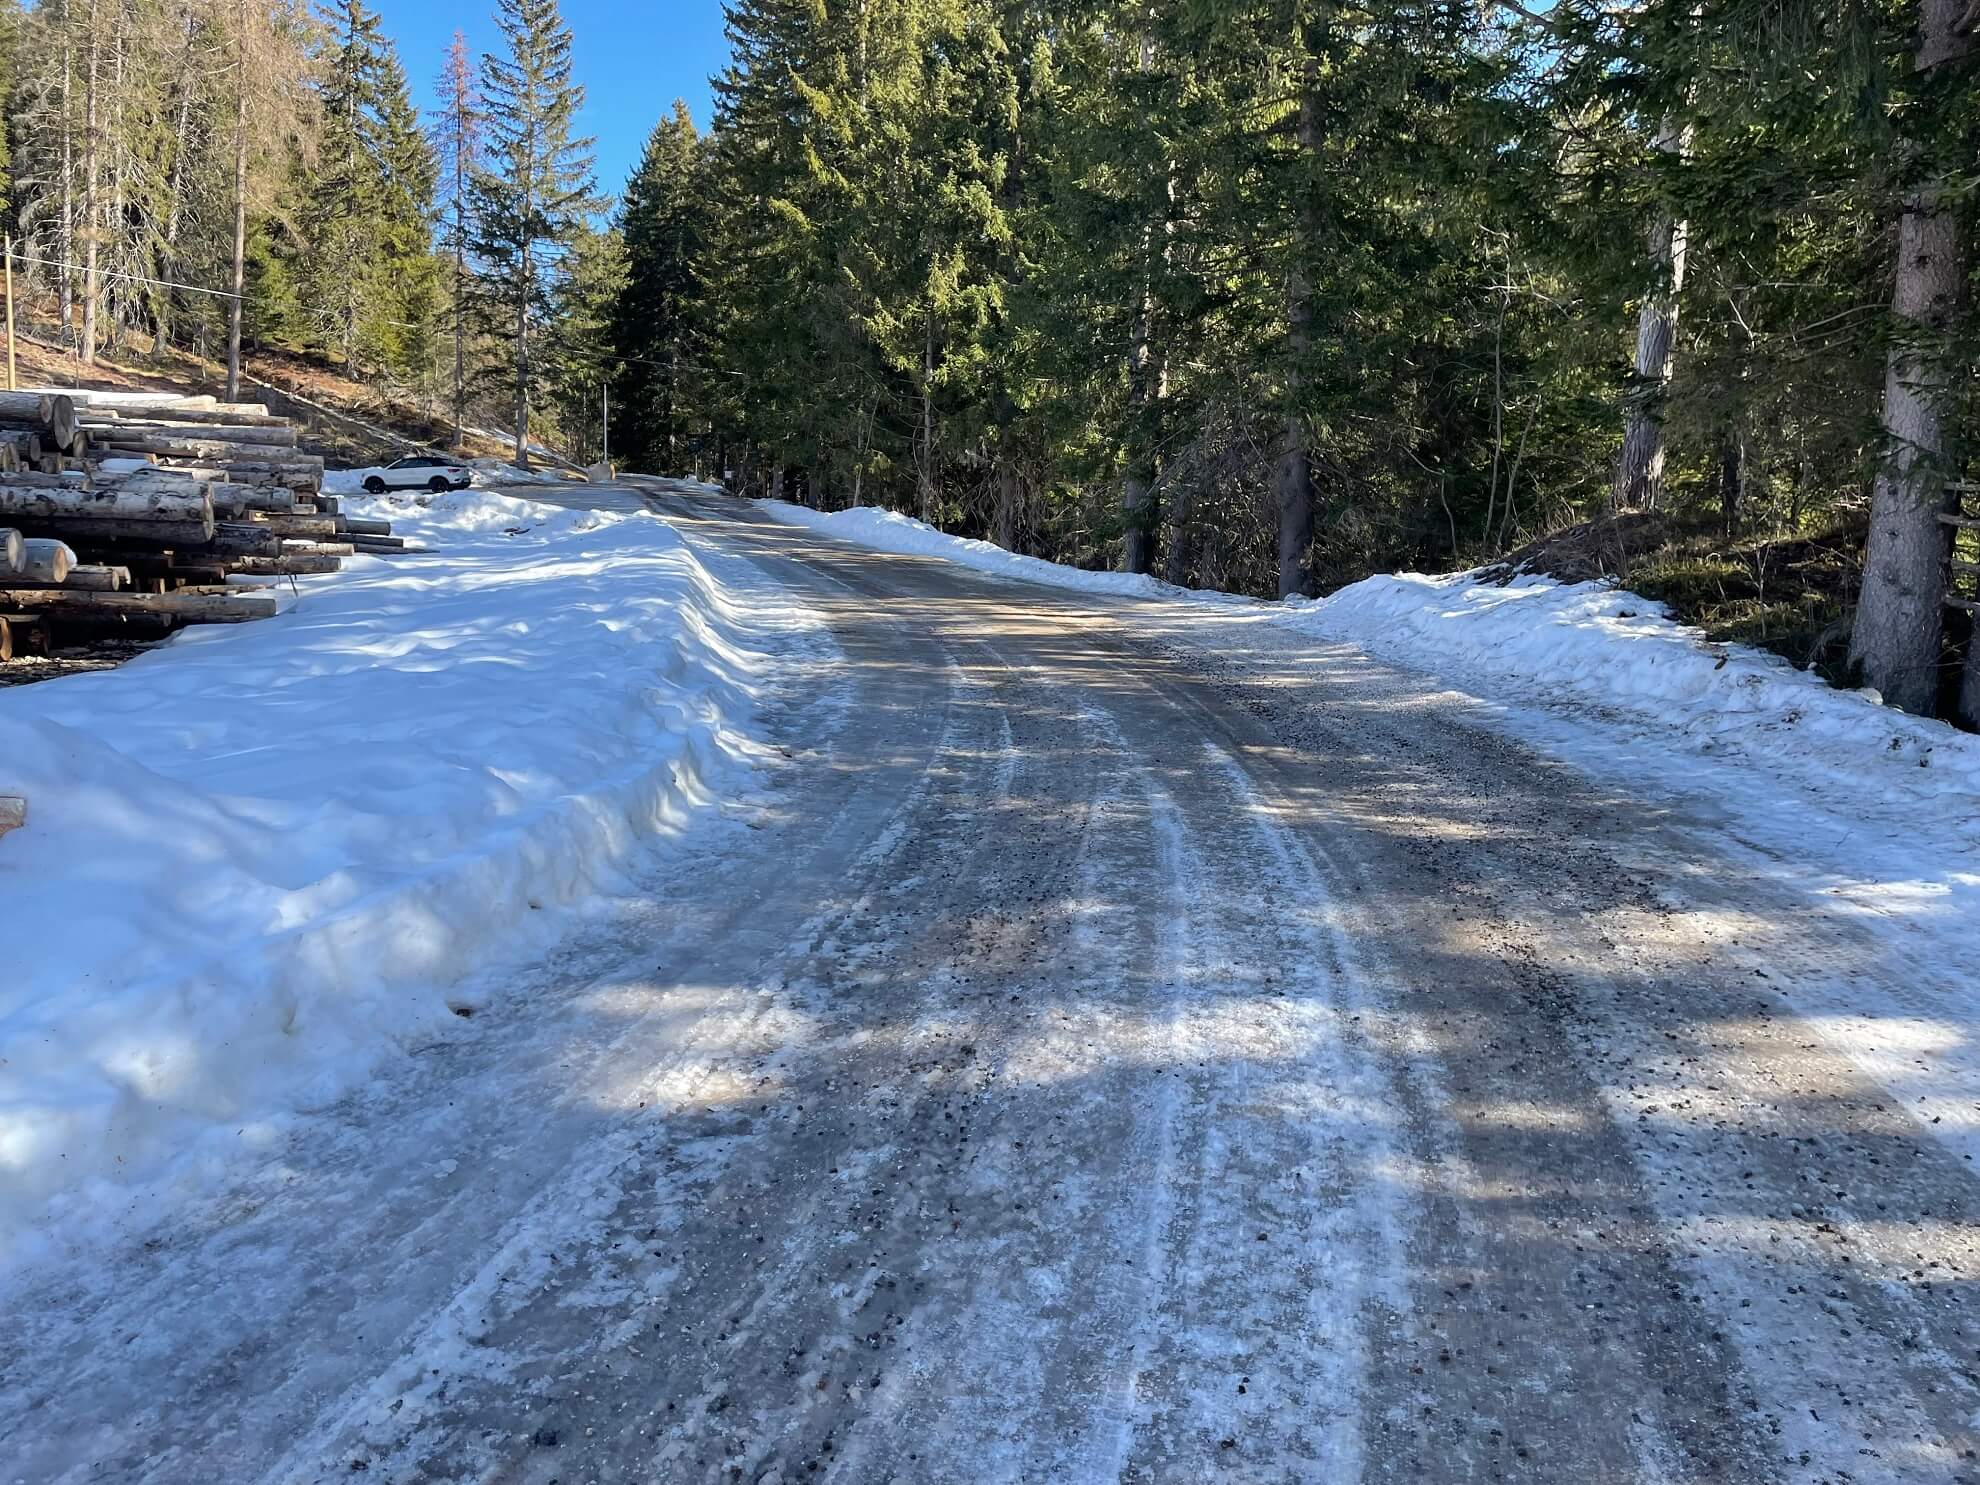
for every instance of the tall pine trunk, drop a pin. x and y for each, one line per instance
(66, 230)
(237, 268)
(1969, 690)
(1010, 500)
(1292, 483)
(460, 311)
(1639, 482)
(925, 472)
(524, 283)
(1147, 384)
(92, 205)
(1900, 618)
(522, 361)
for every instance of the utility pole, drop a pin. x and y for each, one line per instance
(605, 399)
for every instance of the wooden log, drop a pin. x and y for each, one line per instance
(45, 561)
(200, 575)
(286, 565)
(85, 577)
(317, 549)
(204, 450)
(26, 443)
(87, 397)
(152, 478)
(298, 477)
(300, 525)
(380, 544)
(50, 409)
(181, 503)
(10, 550)
(243, 502)
(359, 527)
(244, 539)
(121, 531)
(28, 480)
(98, 577)
(259, 436)
(238, 415)
(59, 413)
(190, 608)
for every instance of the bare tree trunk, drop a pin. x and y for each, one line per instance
(1292, 483)
(1900, 618)
(1010, 499)
(1639, 483)
(1147, 378)
(1176, 569)
(522, 363)
(1732, 479)
(66, 236)
(523, 286)
(92, 205)
(237, 268)
(119, 175)
(1969, 689)
(925, 471)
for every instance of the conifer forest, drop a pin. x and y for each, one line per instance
(1254, 295)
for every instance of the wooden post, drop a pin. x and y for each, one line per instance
(12, 382)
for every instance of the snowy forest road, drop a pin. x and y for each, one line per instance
(1097, 1056)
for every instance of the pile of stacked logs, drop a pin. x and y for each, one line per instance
(128, 517)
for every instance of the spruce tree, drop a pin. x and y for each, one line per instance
(457, 147)
(344, 203)
(659, 319)
(532, 200)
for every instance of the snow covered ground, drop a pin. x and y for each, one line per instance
(266, 854)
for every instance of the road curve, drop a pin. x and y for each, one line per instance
(1093, 1057)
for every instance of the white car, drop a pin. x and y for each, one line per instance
(416, 472)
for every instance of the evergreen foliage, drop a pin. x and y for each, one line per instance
(533, 198)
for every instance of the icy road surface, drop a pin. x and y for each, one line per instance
(1097, 1057)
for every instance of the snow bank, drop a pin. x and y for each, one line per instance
(261, 857)
(1605, 646)
(888, 531)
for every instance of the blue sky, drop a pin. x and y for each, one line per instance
(634, 57)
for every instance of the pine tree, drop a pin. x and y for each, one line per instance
(345, 200)
(579, 352)
(532, 201)
(659, 320)
(457, 147)
(406, 274)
